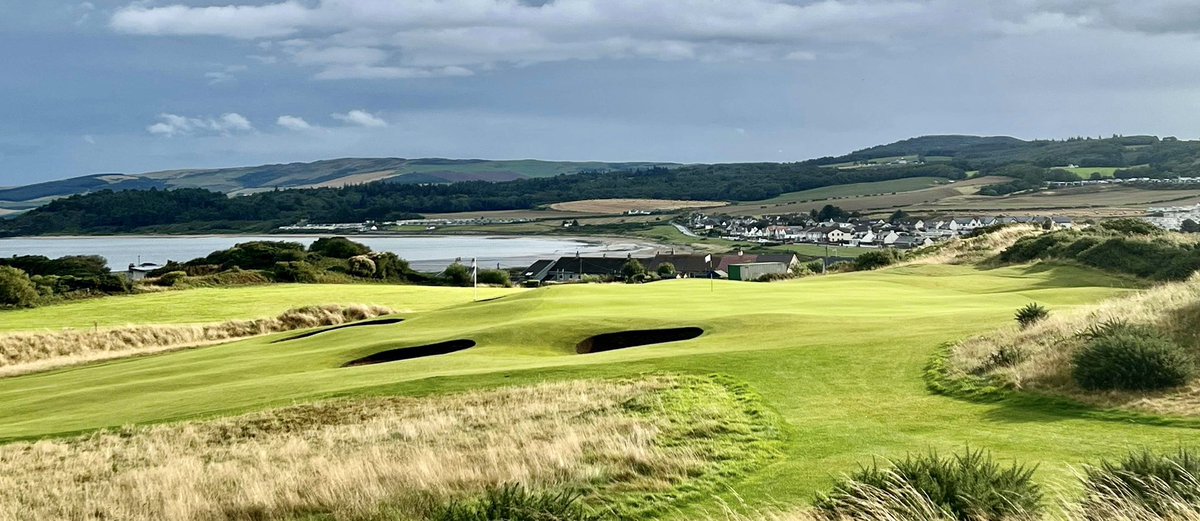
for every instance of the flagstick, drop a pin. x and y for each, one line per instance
(475, 278)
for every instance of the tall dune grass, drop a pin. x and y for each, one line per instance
(1044, 350)
(22, 353)
(374, 458)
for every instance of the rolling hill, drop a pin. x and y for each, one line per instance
(320, 174)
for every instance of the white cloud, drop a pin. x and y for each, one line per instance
(347, 39)
(89, 139)
(293, 123)
(360, 118)
(234, 21)
(172, 125)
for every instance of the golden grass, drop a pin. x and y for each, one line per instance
(368, 458)
(24, 353)
(1049, 345)
(974, 249)
(616, 206)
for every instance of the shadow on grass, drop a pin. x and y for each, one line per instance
(380, 322)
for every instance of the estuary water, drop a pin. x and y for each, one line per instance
(424, 253)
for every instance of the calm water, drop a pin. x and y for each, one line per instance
(424, 253)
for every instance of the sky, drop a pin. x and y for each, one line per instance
(134, 86)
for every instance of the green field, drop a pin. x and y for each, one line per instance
(1085, 172)
(840, 358)
(858, 190)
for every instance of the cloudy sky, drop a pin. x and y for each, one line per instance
(133, 86)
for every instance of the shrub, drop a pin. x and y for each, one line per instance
(515, 503)
(1166, 485)
(495, 277)
(338, 248)
(666, 270)
(16, 289)
(1129, 226)
(632, 268)
(876, 259)
(1132, 359)
(1031, 314)
(815, 266)
(171, 278)
(255, 255)
(298, 271)
(967, 486)
(361, 266)
(389, 266)
(458, 274)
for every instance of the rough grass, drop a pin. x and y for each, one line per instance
(974, 249)
(1044, 351)
(23, 353)
(625, 445)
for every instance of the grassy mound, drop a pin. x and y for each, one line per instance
(23, 353)
(624, 446)
(1129, 349)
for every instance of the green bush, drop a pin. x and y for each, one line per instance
(515, 503)
(495, 277)
(1132, 359)
(298, 271)
(1156, 483)
(967, 486)
(666, 270)
(1031, 314)
(255, 255)
(1130, 226)
(16, 289)
(458, 274)
(338, 248)
(876, 259)
(171, 278)
(632, 268)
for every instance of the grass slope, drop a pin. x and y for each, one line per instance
(840, 358)
(209, 305)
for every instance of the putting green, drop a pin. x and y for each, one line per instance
(839, 357)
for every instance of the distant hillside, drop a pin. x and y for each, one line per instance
(976, 152)
(321, 174)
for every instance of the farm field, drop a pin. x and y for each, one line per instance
(839, 358)
(791, 203)
(1085, 172)
(620, 206)
(859, 189)
(1083, 201)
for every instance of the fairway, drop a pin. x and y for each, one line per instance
(840, 358)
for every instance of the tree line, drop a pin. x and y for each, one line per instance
(195, 209)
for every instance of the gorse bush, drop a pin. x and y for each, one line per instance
(967, 486)
(495, 278)
(338, 248)
(1114, 249)
(1131, 358)
(1165, 485)
(298, 271)
(1031, 314)
(876, 259)
(171, 278)
(15, 288)
(516, 503)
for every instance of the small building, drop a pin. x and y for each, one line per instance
(141, 271)
(755, 270)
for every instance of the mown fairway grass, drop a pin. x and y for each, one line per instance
(840, 358)
(209, 305)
